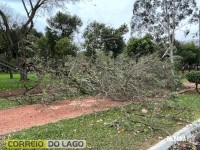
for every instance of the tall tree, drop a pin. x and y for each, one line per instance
(189, 53)
(64, 24)
(162, 18)
(31, 7)
(98, 36)
(65, 47)
(43, 47)
(138, 47)
(93, 38)
(52, 38)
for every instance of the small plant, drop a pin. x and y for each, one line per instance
(194, 77)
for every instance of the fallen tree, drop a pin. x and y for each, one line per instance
(118, 79)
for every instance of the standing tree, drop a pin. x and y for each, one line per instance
(31, 8)
(64, 25)
(93, 38)
(162, 18)
(138, 47)
(98, 36)
(65, 47)
(43, 47)
(189, 53)
(61, 26)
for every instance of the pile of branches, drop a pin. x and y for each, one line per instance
(119, 79)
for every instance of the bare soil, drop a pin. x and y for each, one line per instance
(188, 88)
(16, 119)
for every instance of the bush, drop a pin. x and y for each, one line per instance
(194, 77)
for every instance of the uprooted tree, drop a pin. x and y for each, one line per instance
(32, 8)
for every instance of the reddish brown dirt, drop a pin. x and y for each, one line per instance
(188, 88)
(16, 119)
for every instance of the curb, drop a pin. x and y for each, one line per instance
(185, 134)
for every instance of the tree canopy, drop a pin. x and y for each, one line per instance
(31, 8)
(64, 25)
(161, 18)
(65, 47)
(189, 53)
(138, 47)
(98, 36)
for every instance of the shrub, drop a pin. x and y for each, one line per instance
(194, 77)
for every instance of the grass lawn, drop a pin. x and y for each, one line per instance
(4, 103)
(9, 84)
(122, 128)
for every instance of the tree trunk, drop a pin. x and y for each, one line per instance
(23, 75)
(183, 69)
(11, 74)
(197, 88)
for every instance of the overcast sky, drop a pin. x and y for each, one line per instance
(111, 12)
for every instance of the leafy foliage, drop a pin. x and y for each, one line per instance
(194, 77)
(189, 53)
(31, 9)
(138, 47)
(43, 46)
(161, 18)
(61, 29)
(64, 25)
(157, 17)
(119, 79)
(98, 36)
(65, 47)
(3, 42)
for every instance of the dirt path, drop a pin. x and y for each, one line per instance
(188, 88)
(16, 119)
(189, 85)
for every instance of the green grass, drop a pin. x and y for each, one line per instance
(10, 84)
(184, 80)
(122, 128)
(4, 103)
